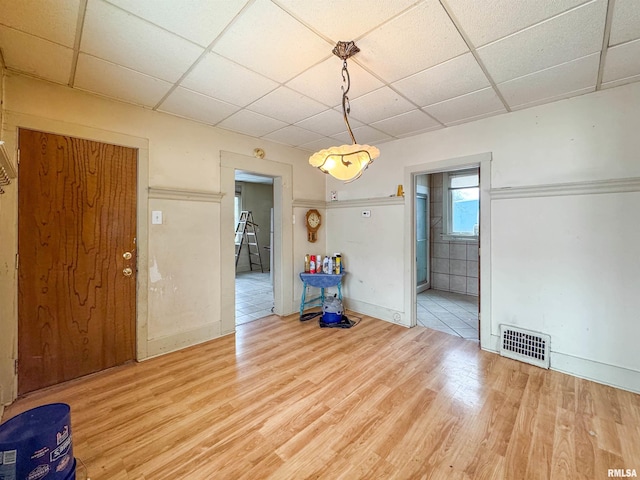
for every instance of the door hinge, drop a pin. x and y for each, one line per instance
(15, 366)
(18, 157)
(17, 260)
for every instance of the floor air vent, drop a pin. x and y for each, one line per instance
(524, 345)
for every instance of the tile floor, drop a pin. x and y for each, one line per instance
(254, 296)
(449, 312)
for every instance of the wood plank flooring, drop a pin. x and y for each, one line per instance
(283, 399)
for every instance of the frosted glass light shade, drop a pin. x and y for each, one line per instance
(346, 162)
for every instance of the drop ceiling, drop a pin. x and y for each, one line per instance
(265, 68)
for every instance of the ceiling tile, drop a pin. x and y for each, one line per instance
(566, 37)
(489, 20)
(364, 135)
(552, 82)
(286, 105)
(450, 79)
(378, 105)
(625, 24)
(135, 43)
(98, 76)
(416, 40)
(292, 135)
(318, 145)
(220, 78)
(330, 122)
(54, 20)
(249, 177)
(269, 41)
(335, 18)
(35, 56)
(623, 81)
(251, 123)
(417, 132)
(199, 107)
(467, 106)
(323, 82)
(200, 21)
(406, 123)
(622, 61)
(555, 98)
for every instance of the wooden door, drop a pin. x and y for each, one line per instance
(76, 220)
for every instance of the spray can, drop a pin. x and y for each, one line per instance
(307, 265)
(338, 263)
(332, 265)
(325, 265)
(318, 263)
(312, 264)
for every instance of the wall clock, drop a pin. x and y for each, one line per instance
(313, 220)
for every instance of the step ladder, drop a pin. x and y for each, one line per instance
(246, 233)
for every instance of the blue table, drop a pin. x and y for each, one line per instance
(321, 281)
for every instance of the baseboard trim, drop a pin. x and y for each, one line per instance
(172, 343)
(611, 375)
(598, 372)
(382, 313)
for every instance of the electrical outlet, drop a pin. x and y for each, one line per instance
(366, 213)
(334, 195)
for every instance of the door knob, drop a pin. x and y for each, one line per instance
(127, 272)
(126, 255)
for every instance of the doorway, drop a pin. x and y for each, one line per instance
(254, 262)
(423, 229)
(447, 244)
(282, 247)
(77, 219)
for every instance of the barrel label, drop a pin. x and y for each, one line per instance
(61, 450)
(63, 463)
(38, 472)
(8, 457)
(8, 464)
(62, 436)
(40, 453)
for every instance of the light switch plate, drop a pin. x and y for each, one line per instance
(156, 217)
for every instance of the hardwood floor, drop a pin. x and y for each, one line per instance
(288, 400)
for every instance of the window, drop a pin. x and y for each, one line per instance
(461, 204)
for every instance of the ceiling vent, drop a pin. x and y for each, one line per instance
(525, 345)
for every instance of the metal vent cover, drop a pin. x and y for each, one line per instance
(525, 345)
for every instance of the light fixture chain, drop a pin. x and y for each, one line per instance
(346, 106)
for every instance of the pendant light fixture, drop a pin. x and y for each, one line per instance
(346, 162)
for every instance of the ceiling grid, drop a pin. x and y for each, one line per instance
(264, 67)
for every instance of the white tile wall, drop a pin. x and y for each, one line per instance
(454, 264)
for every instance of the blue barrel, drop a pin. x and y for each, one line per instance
(37, 444)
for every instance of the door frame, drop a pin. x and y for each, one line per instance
(427, 284)
(282, 252)
(482, 161)
(16, 121)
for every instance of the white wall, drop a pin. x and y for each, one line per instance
(564, 259)
(180, 279)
